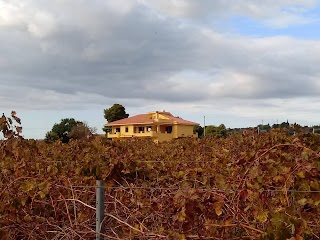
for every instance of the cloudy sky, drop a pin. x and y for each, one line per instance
(237, 62)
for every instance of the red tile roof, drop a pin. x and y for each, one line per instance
(141, 118)
(181, 121)
(144, 119)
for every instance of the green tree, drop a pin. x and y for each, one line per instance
(297, 128)
(265, 127)
(198, 129)
(218, 131)
(285, 124)
(51, 137)
(61, 130)
(114, 113)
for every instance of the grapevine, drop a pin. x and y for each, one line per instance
(239, 187)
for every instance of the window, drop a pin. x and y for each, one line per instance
(168, 129)
(127, 129)
(141, 129)
(117, 129)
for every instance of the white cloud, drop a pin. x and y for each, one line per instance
(177, 8)
(41, 25)
(24, 16)
(11, 14)
(121, 7)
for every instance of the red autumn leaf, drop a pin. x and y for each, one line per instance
(18, 120)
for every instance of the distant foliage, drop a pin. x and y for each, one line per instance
(67, 129)
(51, 137)
(198, 129)
(265, 127)
(216, 131)
(81, 131)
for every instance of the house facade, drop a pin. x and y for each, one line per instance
(159, 126)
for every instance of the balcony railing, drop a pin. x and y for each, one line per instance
(113, 135)
(145, 134)
(137, 134)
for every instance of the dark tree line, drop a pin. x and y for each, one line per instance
(222, 131)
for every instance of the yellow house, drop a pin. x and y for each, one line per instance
(159, 126)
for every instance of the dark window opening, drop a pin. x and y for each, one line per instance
(168, 129)
(141, 129)
(127, 129)
(117, 129)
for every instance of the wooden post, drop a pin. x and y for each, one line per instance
(99, 208)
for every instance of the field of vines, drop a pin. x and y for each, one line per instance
(240, 187)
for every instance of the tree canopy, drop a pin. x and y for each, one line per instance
(68, 128)
(198, 129)
(116, 112)
(81, 130)
(264, 127)
(218, 131)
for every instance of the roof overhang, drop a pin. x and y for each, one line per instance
(127, 124)
(151, 123)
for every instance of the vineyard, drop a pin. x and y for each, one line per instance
(241, 187)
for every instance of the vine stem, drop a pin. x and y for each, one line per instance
(110, 215)
(9, 185)
(234, 225)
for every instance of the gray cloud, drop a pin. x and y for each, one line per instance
(94, 53)
(275, 13)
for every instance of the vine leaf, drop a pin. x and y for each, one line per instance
(262, 216)
(218, 207)
(29, 185)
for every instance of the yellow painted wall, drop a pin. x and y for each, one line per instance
(123, 130)
(159, 115)
(184, 130)
(162, 116)
(130, 130)
(175, 131)
(165, 137)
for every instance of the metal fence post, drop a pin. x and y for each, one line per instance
(99, 208)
